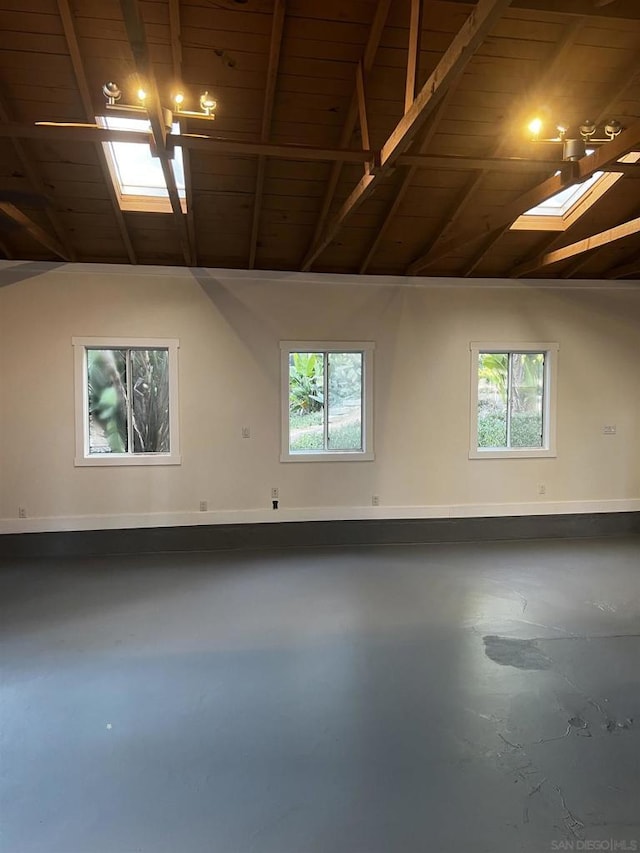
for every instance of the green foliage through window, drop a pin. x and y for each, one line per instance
(510, 399)
(128, 398)
(325, 401)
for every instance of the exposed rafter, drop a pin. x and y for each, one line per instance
(35, 179)
(134, 27)
(479, 256)
(576, 266)
(87, 103)
(621, 9)
(583, 169)
(277, 29)
(549, 77)
(406, 182)
(604, 238)
(217, 145)
(26, 224)
(413, 53)
(548, 243)
(214, 145)
(457, 56)
(451, 66)
(557, 239)
(371, 48)
(175, 38)
(629, 268)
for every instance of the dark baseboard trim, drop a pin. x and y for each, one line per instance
(297, 534)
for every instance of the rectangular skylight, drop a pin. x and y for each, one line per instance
(137, 176)
(561, 202)
(565, 207)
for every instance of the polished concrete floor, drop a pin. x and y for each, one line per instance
(368, 700)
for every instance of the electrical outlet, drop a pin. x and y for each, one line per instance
(204, 506)
(274, 493)
(375, 500)
(246, 432)
(542, 488)
(22, 512)
(609, 429)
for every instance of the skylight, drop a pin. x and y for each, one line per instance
(137, 176)
(565, 207)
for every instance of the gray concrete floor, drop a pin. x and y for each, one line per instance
(370, 700)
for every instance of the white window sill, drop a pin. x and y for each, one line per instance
(346, 456)
(524, 453)
(122, 459)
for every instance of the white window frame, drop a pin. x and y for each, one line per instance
(549, 400)
(367, 349)
(82, 455)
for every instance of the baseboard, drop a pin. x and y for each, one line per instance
(91, 535)
(286, 514)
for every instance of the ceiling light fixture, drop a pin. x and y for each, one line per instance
(574, 146)
(113, 96)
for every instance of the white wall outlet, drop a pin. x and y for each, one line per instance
(204, 506)
(609, 429)
(542, 488)
(246, 432)
(375, 500)
(275, 494)
(22, 512)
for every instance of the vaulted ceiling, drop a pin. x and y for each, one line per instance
(350, 135)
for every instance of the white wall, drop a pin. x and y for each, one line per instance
(229, 325)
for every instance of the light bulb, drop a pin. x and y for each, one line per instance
(535, 126)
(207, 103)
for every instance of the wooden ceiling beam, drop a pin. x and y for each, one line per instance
(576, 266)
(277, 29)
(508, 165)
(361, 94)
(371, 48)
(549, 76)
(582, 169)
(621, 9)
(447, 72)
(39, 234)
(406, 182)
(549, 242)
(92, 133)
(71, 37)
(479, 256)
(457, 56)
(413, 53)
(82, 132)
(175, 38)
(629, 268)
(625, 168)
(603, 238)
(35, 179)
(136, 35)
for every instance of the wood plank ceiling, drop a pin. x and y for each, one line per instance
(350, 135)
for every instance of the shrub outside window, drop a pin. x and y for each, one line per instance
(513, 400)
(326, 401)
(126, 401)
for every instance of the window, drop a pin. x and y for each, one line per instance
(513, 400)
(136, 175)
(564, 208)
(126, 401)
(327, 401)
